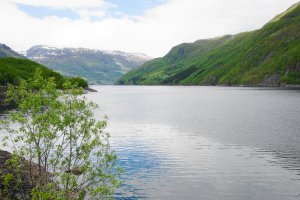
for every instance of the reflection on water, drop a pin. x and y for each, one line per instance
(162, 164)
(204, 142)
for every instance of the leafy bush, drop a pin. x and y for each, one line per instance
(80, 82)
(58, 131)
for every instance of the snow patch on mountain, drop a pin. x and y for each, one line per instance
(97, 66)
(45, 50)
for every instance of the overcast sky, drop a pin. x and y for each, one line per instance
(148, 26)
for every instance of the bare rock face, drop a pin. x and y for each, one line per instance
(271, 81)
(293, 68)
(23, 177)
(211, 80)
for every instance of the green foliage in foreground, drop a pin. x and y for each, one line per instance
(58, 131)
(13, 70)
(78, 81)
(269, 56)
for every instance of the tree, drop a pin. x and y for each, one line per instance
(57, 131)
(79, 81)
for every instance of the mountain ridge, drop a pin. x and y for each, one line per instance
(6, 51)
(96, 66)
(265, 57)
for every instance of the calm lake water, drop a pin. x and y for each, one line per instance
(204, 142)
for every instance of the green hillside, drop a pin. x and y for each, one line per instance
(12, 70)
(269, 56)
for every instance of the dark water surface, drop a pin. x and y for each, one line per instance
(204, 142)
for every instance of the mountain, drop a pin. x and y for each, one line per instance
(269, 56)
(5, 52)
(96, 66)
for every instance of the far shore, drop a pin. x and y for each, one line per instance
(285, 86)
(4, 106)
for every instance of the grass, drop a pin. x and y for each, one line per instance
(243, 59)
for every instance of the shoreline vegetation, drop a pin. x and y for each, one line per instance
(6, 106)
(58, 149)
(11, 189)
(3, 105)
(283, 86)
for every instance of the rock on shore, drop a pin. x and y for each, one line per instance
(14, 190)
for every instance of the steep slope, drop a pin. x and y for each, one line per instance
(269, 56)
(278, 17)
(98, 67)
(5, 52)
(12, 70)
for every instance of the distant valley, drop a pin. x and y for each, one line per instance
(96, 66)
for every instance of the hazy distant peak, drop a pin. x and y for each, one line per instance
(6, 51)
(97, 66)
(140, 56)
(4, 46)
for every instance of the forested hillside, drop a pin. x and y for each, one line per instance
(14, 67)
(269, 56)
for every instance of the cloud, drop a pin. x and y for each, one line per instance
(154, 33)
(63, 4)
(85, 9)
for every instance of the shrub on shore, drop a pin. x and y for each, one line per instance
(58, 131)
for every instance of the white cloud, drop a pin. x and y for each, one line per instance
(154, 33)
(86, 9)
(63, 4)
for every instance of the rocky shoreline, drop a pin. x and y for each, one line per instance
(14, 189)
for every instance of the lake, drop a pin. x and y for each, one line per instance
(204, 142)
